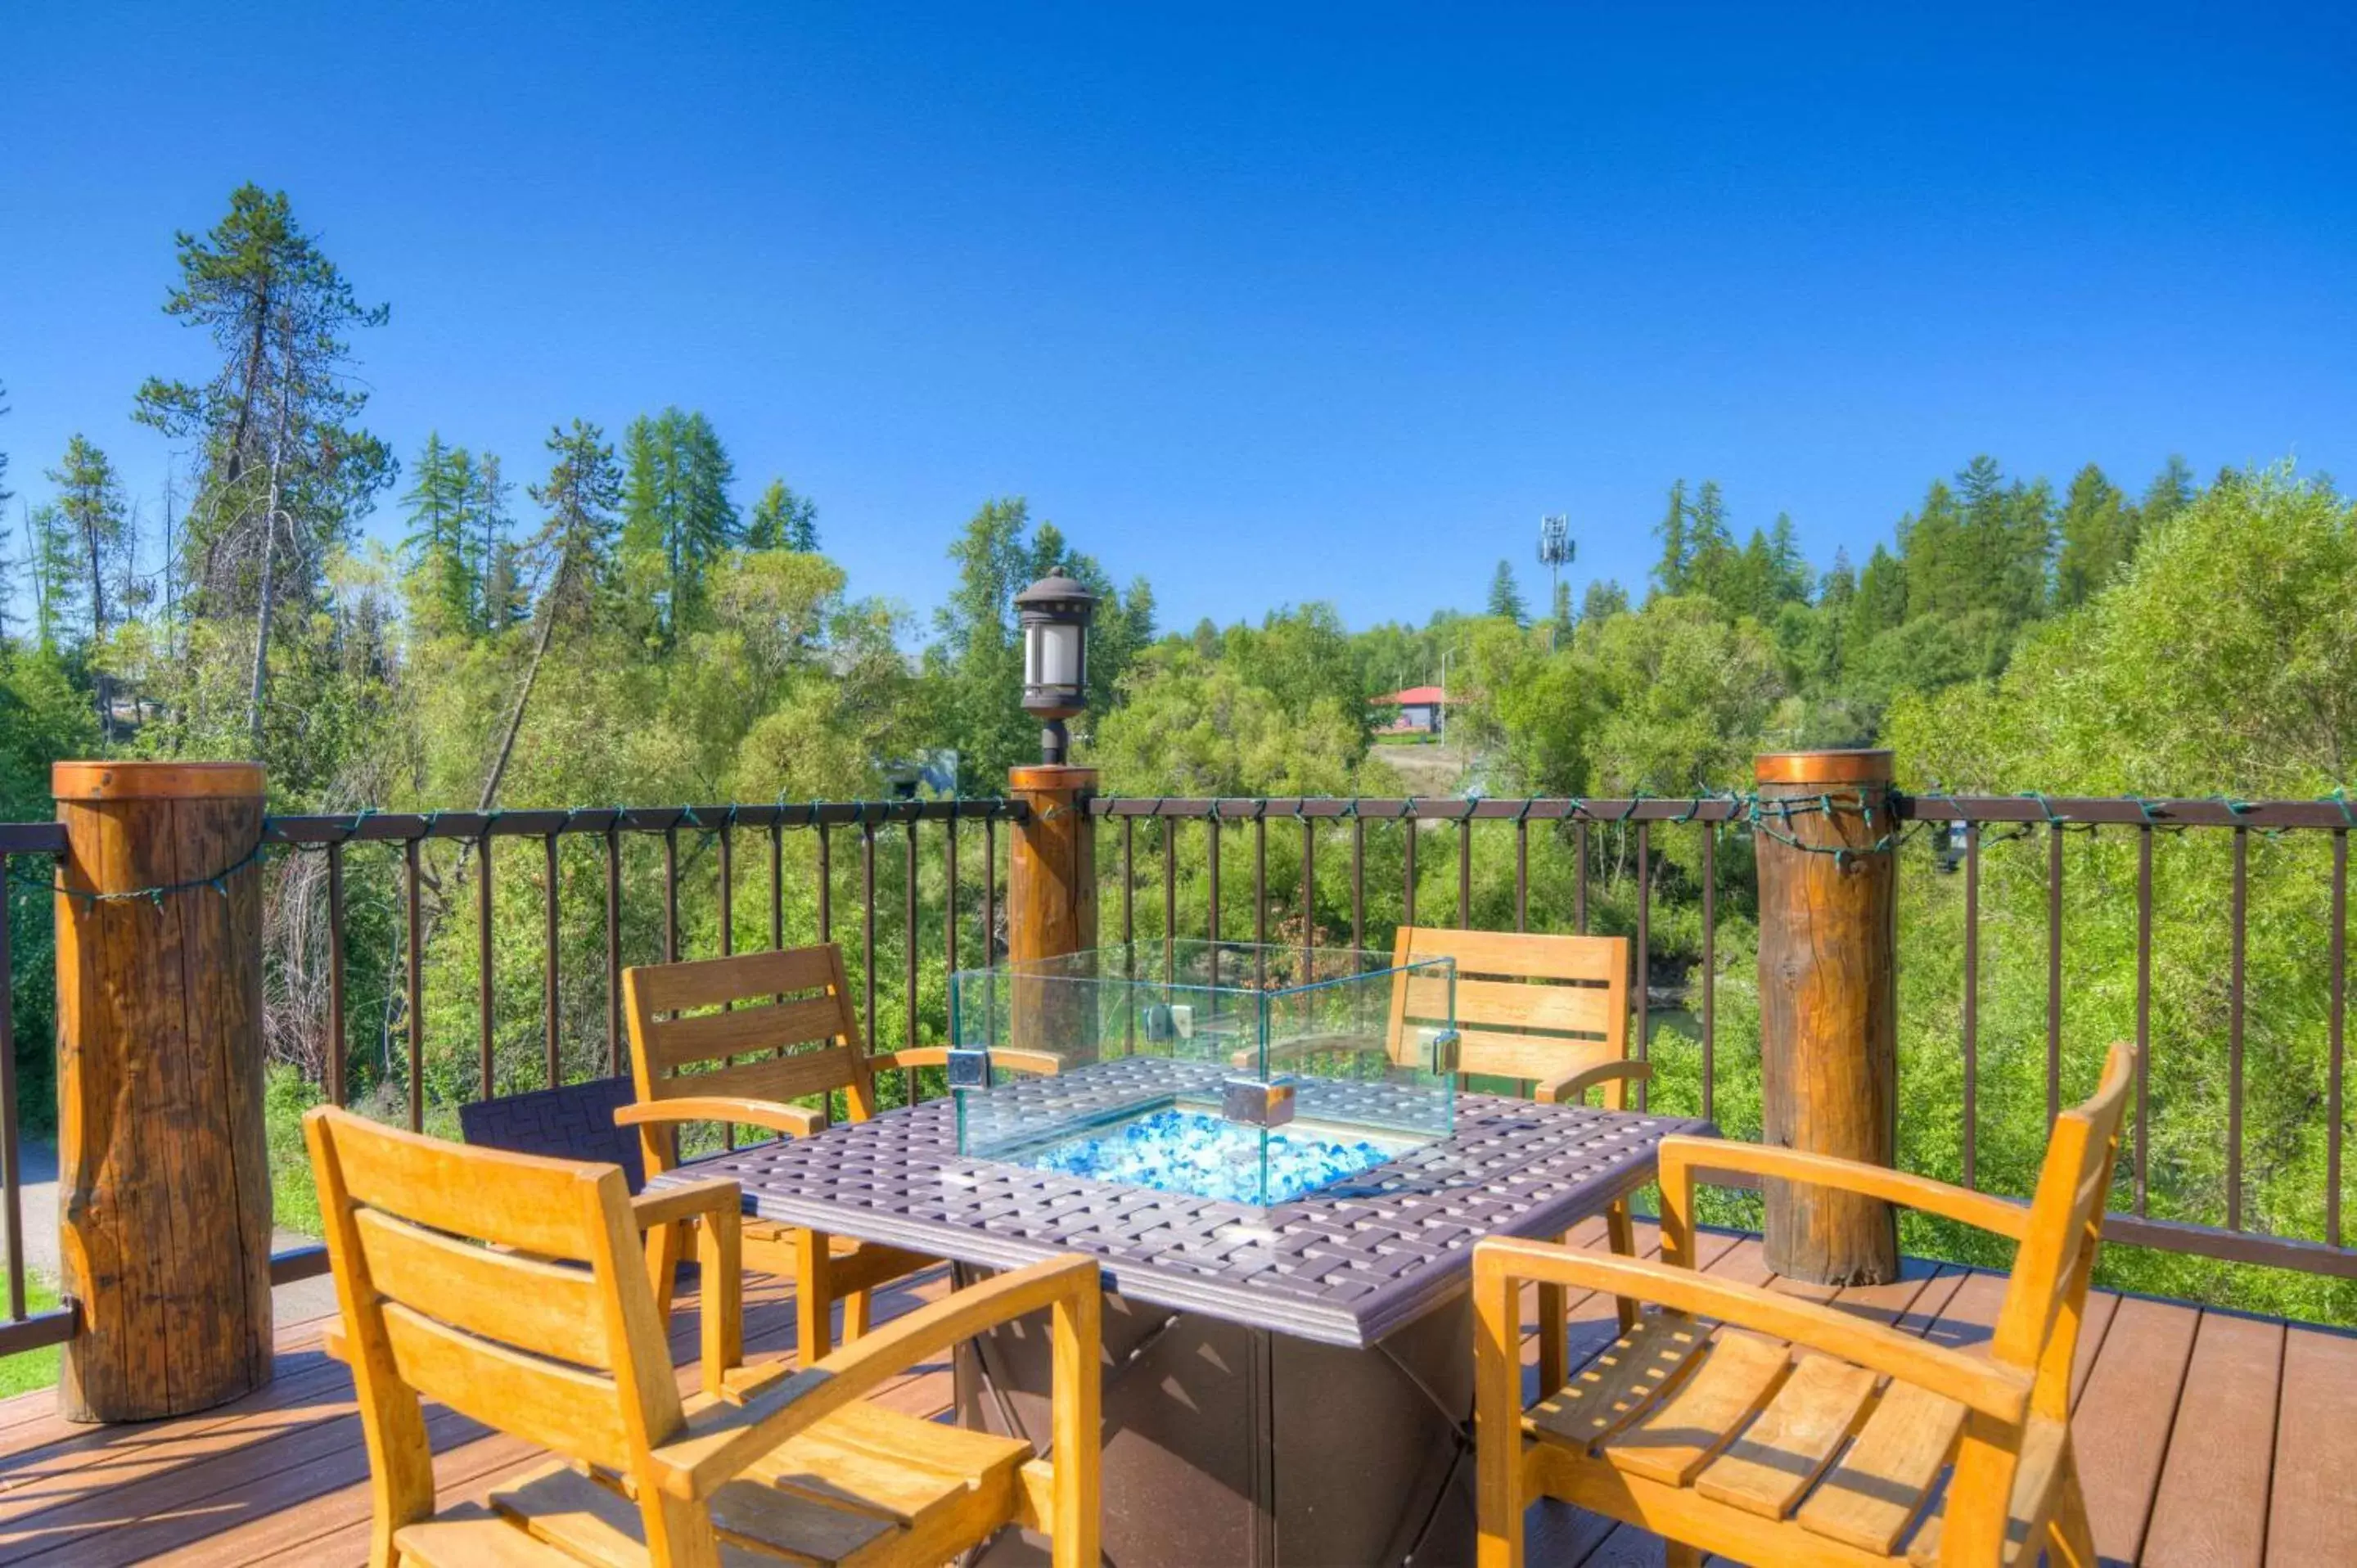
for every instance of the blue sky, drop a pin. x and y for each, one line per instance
(1266, 304)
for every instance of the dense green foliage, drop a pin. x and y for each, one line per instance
(628, 631)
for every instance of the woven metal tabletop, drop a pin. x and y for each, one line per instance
(1346, 1264)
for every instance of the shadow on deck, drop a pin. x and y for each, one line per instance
(2205, 1437)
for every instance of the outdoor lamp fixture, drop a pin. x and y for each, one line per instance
(1054, 613)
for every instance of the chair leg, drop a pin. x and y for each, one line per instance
(1620, 1235)
(813, 1297)
(1554, 1358)
(2070, 1539)
(1678, 1555)
(666, 1250)
(855, 1317)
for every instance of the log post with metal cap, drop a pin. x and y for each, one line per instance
(1052, 873)
(1828, 1003)
(163, 1166)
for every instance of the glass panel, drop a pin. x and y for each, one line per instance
(1248, 1073)
(1059, 656)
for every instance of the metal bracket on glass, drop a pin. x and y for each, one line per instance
(969, 1066)
(1437, 1050)
(1258, 1102)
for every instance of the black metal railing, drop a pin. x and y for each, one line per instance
(36, 845)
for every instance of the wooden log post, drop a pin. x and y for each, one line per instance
(1051, 905)
(163, 1166)
(1828, 1003)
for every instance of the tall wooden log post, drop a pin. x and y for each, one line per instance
(1051, 905)
(1828, 1003)
(163, 1168)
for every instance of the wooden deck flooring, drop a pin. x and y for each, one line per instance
(2207, 1438)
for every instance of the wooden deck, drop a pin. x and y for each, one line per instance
(2207, 1438)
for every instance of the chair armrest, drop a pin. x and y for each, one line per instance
(1571, 1087)
(1039, 1064)
(686, 1201)
(1683, 1157)
(1998, 1392)
(793, 1120)
(722, 1436)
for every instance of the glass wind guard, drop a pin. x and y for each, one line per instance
(1252, 1074)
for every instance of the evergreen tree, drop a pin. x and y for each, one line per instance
(440, 543)
(1710, 545)
(1840, 583)
(2099, 537)
(1559, 617)
(677, 519)
(1506, 596)
(2171, 491)
(285, 475)
(575, 546)
(95, 526)
(783, 520)
(495, 553)
(1884, 599)
(2022, 586)
(1604, 599)
(1940, 571)
(49, 566)
(1792, 578)
(1670, 573)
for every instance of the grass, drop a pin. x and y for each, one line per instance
(33, 1368)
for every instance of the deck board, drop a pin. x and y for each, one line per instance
(2204, 1437)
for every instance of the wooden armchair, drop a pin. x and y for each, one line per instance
(549, 1332)
(1727, 1442)
(733, 1040)
(1552, 1011)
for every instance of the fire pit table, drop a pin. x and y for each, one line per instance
(1286, 1253)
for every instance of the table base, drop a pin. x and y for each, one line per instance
(1229, 1445)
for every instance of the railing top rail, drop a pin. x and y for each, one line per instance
(32, 838)
(2075, 810)
(372, 826)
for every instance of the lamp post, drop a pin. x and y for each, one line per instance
(1054, 615)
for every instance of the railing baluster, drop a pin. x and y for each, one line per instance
(12, 1196)
(335, 1063)
(1128, 884)
(2053, 973)
(1358, 881)
(1408, 864)
(1465, 868)
(1972, 1004)
(1308, 893)
(483, 960)
(867, 921)
(2234, 1032)
(1645, 953)
(671, 893)
(990, 890)
(1260, 877)
(825, 884)
(2144, 1015)
(950, 896)
(1211, 822)
(728, 890)
(2339, 961)
(1579, 878)
(548, 973)
(777, 885)
(1168, 827)
(1709, 968)
(614, 946)
(416, 997)
(908, 964)
(1522, 874)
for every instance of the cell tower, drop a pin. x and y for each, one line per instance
(1555, 551)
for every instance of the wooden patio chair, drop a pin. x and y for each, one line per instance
(1717, 1441)
(509, 1288)
(734, 1040)
(1549, 1011)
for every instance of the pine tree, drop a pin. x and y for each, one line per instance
(1885, 598)
(2171, 491)
(575, 546)
(1939, 570)
(1559, 619)
(285, 475)
(440, 543)
(677, 519)
(1792, 576)
(492, 553)
(1604, 599)
(1506, 596)
(2028, 556)
(1710, 543)
(782, 519)
(93, 539)
(2099, 536)
(1670, 573)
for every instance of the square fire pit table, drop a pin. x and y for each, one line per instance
(1285, 1383)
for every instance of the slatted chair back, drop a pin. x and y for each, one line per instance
(1529, 1005)
(506, 1286)
(770, 1026)
(2039, 1326)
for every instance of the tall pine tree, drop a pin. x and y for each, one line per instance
(441, 543)
(782, 519)
(677, 519)
(1671, 571)
(94, 525)
(2099, 537)
(1506, 596)
(1710, 542)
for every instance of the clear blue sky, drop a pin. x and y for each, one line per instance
(1266, 302)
